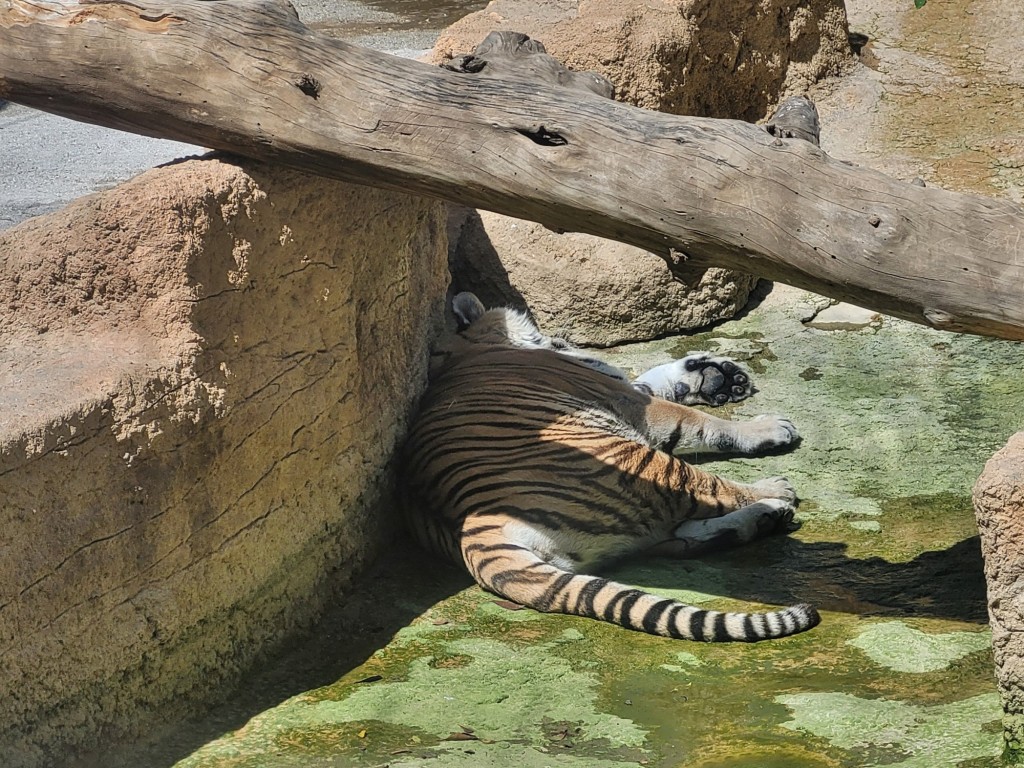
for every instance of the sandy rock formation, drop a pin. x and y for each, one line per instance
(999, 509)
(589, 290)
(203, 376)
(697, 57)
(685, 57)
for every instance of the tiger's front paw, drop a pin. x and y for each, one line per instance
(764, 433)
(697, 379)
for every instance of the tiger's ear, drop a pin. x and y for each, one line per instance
(467, 308)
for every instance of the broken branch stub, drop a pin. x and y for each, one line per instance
(513, 55)
(796, 118)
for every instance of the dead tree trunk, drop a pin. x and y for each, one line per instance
(248, 77)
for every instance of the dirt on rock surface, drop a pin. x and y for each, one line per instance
(939, 96)
(684, 57)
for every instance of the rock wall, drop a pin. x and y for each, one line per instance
(203, 376)
(591, 291)
(999, 509)
(692, 57)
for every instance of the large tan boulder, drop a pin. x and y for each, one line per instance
(687, 57)
(999, 509)
(203, 377)
(594, 292)
(697, 57)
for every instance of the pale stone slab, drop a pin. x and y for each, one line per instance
(204, 374)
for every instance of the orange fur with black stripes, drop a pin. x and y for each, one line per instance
(534, 465)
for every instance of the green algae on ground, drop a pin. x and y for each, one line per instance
(913, 526)
(494, 609)
(502, 755)
(686, 659)
(501, 693)
(924, 736)
(901, 648)
(871, 526)
(883, 413)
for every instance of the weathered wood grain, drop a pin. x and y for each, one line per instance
(248, 77)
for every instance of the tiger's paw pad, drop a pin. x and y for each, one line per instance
(697, 379)
(774, 516)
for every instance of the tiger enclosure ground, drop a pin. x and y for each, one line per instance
(422, 668)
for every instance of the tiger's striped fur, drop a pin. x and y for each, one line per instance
(535, 465)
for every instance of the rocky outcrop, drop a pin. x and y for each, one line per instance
(695, 57)
(685, 57)
(592, 291)
(999, 508)
(203, 376)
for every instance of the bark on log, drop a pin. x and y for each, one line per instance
(248, 77)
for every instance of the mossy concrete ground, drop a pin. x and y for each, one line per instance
(424, 669)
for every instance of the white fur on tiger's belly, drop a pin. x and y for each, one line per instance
(588, 550)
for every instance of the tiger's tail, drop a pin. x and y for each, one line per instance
(516, 573)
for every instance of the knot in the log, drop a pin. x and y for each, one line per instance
(513, 55)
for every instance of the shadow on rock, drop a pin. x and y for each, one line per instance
(400, 587)
(475, 264)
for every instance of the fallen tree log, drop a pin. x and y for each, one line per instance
(250, 78)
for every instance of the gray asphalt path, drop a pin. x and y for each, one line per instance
(46, 161)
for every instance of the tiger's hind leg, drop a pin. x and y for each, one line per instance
(697, 379)
(742, 526)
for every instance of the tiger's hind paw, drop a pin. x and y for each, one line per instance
(742, 526)
(775, 491)
(697, 379)
(774, 516)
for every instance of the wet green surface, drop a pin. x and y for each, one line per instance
(423, 669)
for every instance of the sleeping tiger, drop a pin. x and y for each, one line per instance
(535, 464)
